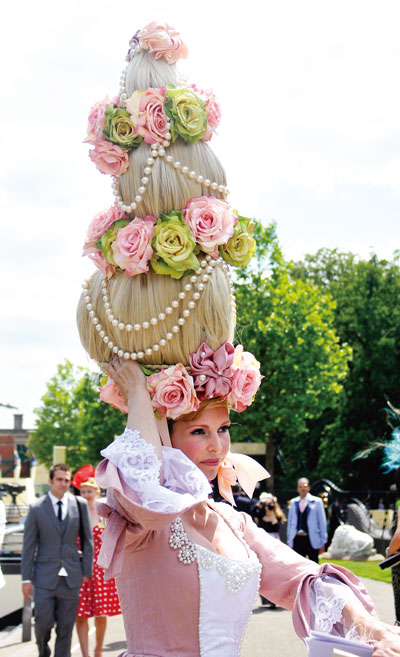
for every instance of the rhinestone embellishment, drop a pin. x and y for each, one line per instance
(178, 540)
(235, 573)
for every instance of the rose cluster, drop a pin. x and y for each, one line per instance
(152, 116)
(160, 39)
(227, 373)
(171, 244)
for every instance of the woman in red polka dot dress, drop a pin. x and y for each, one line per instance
(97, 598)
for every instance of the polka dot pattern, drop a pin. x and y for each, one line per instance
(97, 597)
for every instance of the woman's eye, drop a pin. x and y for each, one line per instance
(225, 428)
(197, 432)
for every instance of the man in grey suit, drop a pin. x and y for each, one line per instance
(52, 563)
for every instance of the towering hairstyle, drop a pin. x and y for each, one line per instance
(144, 297)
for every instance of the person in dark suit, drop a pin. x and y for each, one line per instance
(306, 528)
(51, 562)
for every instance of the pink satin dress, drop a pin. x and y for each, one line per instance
(179, 599)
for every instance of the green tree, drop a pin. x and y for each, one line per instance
(72, 414)
(367, 316)
(288, 324)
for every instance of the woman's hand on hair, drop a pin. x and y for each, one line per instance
(127, 375)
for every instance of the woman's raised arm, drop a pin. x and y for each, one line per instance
(132, 384)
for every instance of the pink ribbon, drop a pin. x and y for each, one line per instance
(212, 370)
(241, 468)
(112, 540)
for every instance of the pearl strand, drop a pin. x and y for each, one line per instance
(158, 150)
(207, 264)
(232, 299)
(162, 342)
(134, 51)
(193, 175)
(196, 280)
(155, 151)
(122, 87)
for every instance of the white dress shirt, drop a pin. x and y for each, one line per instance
(54, 500)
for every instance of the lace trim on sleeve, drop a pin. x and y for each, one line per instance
(327, 600)
(136, 459)
(184, 484)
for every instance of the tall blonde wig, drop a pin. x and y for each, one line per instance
(141, 297)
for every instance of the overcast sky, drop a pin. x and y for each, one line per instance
(309, 137)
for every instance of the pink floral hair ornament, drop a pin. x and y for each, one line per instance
(155, 116)
(177, 390)
(161, 40)
(171, 244)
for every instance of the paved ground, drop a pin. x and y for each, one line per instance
(269, 634)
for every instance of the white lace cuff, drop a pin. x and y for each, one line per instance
(184, 484)
(327, 600)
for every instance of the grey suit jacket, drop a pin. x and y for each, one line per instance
(50, 544)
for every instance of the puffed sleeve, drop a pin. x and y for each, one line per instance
(315, 594)
(136, 500)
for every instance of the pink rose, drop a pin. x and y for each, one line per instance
(101, 222)
(148, 114)
(213, 111)
(172, 392)
(111, 395)
(109, 158)
(97, 121)
(212, 370)
(211, 222)
(163, 41)
(245, 381)
(99, 260)
(131, 248)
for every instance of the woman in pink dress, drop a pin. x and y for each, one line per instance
(97, 599)
(159, 317)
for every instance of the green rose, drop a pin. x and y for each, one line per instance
(174, 246)
(105, 244)
(241, 247)
(187, 114)
(119, 128)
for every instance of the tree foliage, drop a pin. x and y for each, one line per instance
(72, 414)
(367, 316)
(288, 323)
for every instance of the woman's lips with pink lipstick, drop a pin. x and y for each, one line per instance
(211, 462)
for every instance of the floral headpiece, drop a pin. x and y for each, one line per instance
(154, 116)
(171, 244)
(227, 373)
(188, 241)
(160, 39)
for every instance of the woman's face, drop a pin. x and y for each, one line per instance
(89, 493)
(205, 440)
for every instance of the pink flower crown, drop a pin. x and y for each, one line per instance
(160, 39)
(155, 116)
(227, 373)
(174, 243)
